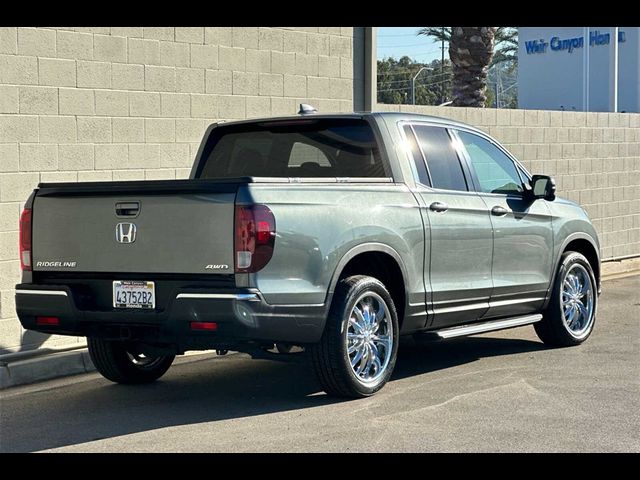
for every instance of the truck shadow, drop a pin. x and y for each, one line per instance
(198, 392)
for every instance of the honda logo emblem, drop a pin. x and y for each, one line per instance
(126, 232)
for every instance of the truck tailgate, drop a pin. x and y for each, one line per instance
(176, 226)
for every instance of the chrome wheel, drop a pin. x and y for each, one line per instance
(369, 338)
(143, 361)
(577, 298)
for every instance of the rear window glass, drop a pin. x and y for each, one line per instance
(305, 148)
(302, 153)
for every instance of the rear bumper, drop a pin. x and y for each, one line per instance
(242, 316)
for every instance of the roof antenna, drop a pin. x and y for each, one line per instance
(306, 109)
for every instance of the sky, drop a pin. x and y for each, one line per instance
(399, 41)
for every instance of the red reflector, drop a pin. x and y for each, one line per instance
(47, 321)
(211, 326)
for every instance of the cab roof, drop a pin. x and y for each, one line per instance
(387, 116)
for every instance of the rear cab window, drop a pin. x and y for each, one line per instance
(305, 148)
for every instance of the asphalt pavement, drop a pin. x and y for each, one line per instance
(498, 392)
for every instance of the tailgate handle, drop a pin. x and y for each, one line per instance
(127, 209)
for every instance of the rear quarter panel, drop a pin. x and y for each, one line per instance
(318, 224)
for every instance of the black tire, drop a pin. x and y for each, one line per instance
(115, 362)
(330, 357)
(284, 348)
(552, 329)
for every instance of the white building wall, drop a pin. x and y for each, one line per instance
(552, 62)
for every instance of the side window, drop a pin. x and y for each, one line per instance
(302, 153)
(442, 160)
(423, 176)
(496, 172)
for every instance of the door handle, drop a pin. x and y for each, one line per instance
(438, 207)
(499, 211)
(127, 209)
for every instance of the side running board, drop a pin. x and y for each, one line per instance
(483, 327)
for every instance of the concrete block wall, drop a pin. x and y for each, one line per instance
(594, 157)
(125, 103)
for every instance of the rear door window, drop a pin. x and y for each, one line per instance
(418, 161)
(443, 163)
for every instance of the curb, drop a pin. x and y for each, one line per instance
(57, 365)
(45, 367)
(614, 269)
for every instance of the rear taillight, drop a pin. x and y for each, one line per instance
(255, 237)
(25, 239)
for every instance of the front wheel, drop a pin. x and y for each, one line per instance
(123, 362)
(571, 314)
(357, 353)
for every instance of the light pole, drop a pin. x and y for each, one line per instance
(509, 88)
(413, 84)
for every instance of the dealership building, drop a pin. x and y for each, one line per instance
(579, 68)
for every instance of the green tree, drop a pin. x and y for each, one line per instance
(394, 81)
(506, 49)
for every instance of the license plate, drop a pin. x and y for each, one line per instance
(132, 294)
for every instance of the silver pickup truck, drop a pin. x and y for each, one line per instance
(333, 233)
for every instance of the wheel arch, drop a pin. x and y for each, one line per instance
(377, 260)
(581, 243)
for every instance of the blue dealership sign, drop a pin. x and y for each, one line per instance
(556, 44)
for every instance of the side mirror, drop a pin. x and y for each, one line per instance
(543, 186)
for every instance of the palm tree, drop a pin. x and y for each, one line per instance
(506, 42)
(506, 46)
(470, 51)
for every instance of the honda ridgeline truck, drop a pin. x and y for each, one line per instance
(334, 233)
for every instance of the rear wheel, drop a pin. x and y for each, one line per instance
(125, 363)
(358, 349)
(571, 314)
